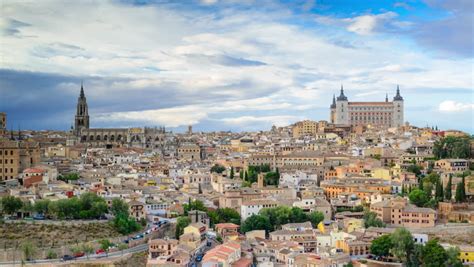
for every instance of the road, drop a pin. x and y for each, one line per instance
(202, 250)
(139, 248)
(135, 249)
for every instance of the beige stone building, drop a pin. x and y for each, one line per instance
(400, 213)
(3, 122)
(16, 156)
(189, 152)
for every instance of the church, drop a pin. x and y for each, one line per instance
(139, 137)
(384, 113)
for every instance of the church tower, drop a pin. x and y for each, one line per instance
(398, 109)
(82, 113)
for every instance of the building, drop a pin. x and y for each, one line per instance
(398, 212)
(3, 122)
(306, 127)
(189, 152)
(137, 210)
(143, 137)
(227, 230)
(252, 207)
(82, 113)
(223, 255)
(16, 156)
(452, 165)
(385, 114)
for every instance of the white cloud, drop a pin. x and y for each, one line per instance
(244, 121)
(453, 106)
(367, 24)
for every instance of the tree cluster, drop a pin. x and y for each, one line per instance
(400, 244)
(217, 168)
(452, 147)
(122, 222)
(69, 177)
(371, 220)
(270, 219)
(252, 172)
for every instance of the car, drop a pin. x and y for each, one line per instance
(199, 258)
(79, 254)
(39, 217)
(67, 258)
(99, 251)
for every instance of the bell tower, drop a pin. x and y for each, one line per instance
(82, 113)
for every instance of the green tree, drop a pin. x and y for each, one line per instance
(224, 215)
(297, 215)
(460, 191)
(403, 244)
(256, 222)
(194, 205)
(439, 191)
(41, 206)
(124, 224)
(448, 189)
(452, 255)
(88, 249)
(181, 223)
(452, 147)
(51, 254)
(241, 174)
(217, 168)
(231, 172)
(418, 197)
(433, 254)
(416, 169)
(315, 217)
(29, 250)
(277, 216)
(381, 246)
(371, 220)
(11, 204)
(272, 178)
(105, 245)
(119, 206)
(415, 259)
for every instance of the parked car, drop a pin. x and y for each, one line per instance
(39, 217)
(67, 258)
(79, 254)
(199, 258)
(99, 251)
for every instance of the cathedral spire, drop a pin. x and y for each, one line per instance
(82, 90)
(398, 97)
(342, 97)
(333, 105)
(386, 97)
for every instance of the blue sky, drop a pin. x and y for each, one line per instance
(233, 65)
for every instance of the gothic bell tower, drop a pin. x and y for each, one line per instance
(82, 113)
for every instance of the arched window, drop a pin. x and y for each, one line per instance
(105, 137)
(84, 138)
(91, 138)
(112, 138)
(98, 138)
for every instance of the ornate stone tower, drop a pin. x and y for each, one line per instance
(397, 109)
(332, 116)
(342, 109)
(82, 113)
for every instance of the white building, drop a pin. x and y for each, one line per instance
(387, 114)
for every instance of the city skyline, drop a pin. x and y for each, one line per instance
(222, 65)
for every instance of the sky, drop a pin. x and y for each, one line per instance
(238, 65)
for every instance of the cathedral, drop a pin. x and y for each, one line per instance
(384, 113)
(140, 137)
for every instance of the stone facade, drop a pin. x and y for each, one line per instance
(386, 114)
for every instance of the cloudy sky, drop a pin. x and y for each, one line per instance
(235, 64)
